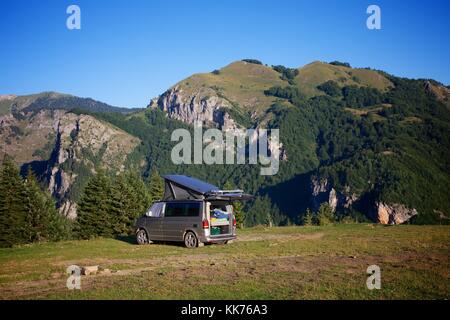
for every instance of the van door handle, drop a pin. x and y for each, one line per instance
(195, 225)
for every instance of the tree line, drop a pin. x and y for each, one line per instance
(108, 206)
(27, 212)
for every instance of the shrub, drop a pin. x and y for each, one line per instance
(342, 64)
(331, 88)
(307, 219)
(290, 93)
(254, 61)
(287, 74)
(325, 215)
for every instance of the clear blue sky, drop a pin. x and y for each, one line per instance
(130, 51)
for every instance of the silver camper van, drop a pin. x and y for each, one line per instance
(191, 211)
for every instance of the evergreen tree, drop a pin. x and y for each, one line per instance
(12, 205)
(42, 220)
(307, 218)
(95, 216)
(325, 215)
(238, 208)
(144, 199)
(156, 186)
(136, 199)
(121, 198)
(260, 212)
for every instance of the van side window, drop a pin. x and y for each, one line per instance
(156, 210)
(193, 209)
(180, 209)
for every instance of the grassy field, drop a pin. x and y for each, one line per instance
(277, 263)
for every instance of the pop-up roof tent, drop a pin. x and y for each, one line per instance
(180, 187)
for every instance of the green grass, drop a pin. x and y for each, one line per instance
(316, 73)
(244, 83)
(277, 263)
(240, 83)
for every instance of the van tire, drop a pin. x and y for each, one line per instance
(142, 237)
(190, 240)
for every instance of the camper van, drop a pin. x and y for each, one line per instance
(192, 211)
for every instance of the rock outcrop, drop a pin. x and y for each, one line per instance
(322, 191)
(439, 91)
(392, 213)
(204, 105)
(380, 212)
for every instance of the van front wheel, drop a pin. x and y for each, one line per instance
(190, 240)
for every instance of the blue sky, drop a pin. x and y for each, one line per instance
(130, 51)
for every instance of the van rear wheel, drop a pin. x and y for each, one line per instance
(141, 237)
(190, 240)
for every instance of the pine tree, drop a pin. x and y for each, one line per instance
(259, 212)
(121, 198)
(143, 198)
(36, 205)
(156, 186)
(42, 220)
(95, 217)
(131, 198)
(325, 215)
(12, 207)
(239, 213)
(307, 218)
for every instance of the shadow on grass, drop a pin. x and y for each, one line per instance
(132, 240)
(127, 239)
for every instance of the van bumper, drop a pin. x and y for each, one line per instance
(218, 238)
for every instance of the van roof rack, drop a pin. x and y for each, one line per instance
(181, 187)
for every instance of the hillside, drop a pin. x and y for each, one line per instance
(54, 101)
(362, 140)
(370, 144)
(64, 149)
(278, 263)
(316, 73)
(238, 90)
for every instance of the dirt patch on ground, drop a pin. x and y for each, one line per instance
(280, 237)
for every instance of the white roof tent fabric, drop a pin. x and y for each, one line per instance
(180, 187)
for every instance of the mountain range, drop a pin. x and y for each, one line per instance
(370, 144)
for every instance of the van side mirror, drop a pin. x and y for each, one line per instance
(148, 213)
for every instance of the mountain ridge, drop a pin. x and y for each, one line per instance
(242, 86)
(54, 100)
(363, 141)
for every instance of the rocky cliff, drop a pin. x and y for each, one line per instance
(323, 191)
(203, 105)
(380, 212)
(63, 149)
(391, 213)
